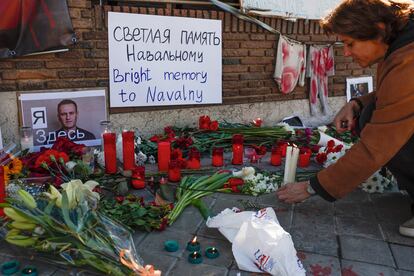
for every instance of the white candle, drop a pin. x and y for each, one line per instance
(26, 143)
(286, 175)
(293, 164)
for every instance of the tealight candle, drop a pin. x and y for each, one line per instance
(195, 258)
(212, 252)
(171, 245)
(29, 271)
(193, 245)
(9, 268)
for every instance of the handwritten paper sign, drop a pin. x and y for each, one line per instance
(163, 60)
(308, 9)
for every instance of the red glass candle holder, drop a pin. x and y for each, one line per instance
(304, 160)
(204, 122)
(109, 141)
(128, 150)
(238, 150)
(217, 159)
(164, 155)
(138, 177)
(174, 171)
(193, 159)
(2, 189)
(283, 147)
(276, 157)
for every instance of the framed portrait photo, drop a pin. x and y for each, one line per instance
(75, 114)
(357, 87)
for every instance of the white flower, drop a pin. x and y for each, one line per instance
(247, 173)
(76, 190)
(55, 194)
(287, 127)
(70, 165)
(323, 128)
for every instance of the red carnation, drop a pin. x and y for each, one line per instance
(331, 144)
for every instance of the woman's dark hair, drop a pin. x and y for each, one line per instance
(359, 19)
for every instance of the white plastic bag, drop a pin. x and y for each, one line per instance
(259, 242)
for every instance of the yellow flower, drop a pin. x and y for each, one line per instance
(55, 194)
(6, 175)
(15, 166)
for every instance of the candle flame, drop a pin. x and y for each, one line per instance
(194, 240)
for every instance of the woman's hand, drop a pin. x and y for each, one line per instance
(293, 192)
(344, 119)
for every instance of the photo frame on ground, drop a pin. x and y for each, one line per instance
(75, 114)
(357, 87)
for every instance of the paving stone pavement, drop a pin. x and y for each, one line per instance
(357, 235)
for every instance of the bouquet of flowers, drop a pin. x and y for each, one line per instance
(67, 225)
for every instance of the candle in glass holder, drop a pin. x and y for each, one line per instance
(304, 159)
(109, 142)
(195, 258)
(138, 177)
(217, 158)
(174, 171)
(237, 146)
(204, 122)
(193, 159)
(276, 157)
(2, 190)
(193, 245)
(26, 138)
(128, 149)
(164, 156)
(283, 147)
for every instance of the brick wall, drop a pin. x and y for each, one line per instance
(248, 56)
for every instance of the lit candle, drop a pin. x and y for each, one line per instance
(193, 245)
(128, 150)
(283, 147)
(293, 163)
(26, 138)
(29, 271)
(217, 158)
(2, 190)
(304, 157)
(193, 159)
(174, 171)
(204, 122)
(257, 122)
(195, 258)
(138, 177)
(212, 252)
(237, 149)
(109, 141)
(164, 156)
(276, 157)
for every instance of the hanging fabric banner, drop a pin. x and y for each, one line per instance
(32, 26)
